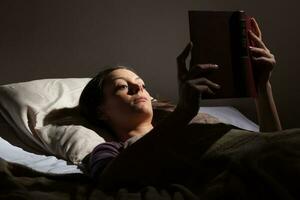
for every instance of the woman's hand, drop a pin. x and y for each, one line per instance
(263, 60)
(192, 84)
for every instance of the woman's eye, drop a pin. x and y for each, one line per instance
(122, 87)
(144, 86)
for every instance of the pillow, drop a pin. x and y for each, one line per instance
(70, 142)
(25, 105)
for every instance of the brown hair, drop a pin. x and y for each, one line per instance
(92, 95)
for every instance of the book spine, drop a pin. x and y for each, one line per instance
(245, 57)
(250, 72)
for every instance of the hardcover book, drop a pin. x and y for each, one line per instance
(221, 37)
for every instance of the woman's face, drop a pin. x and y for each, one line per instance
(125, 98)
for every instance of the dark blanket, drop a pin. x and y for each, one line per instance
(237, 165)
(20, 182)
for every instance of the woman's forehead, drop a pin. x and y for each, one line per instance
(122, 74)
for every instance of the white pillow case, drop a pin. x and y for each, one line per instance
(24, 106)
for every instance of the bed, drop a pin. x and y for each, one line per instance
(43, 140)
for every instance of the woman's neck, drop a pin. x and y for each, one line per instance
(125, 133)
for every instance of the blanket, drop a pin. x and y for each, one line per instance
(20, 182)
(235, 165)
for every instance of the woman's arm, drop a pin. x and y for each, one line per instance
(145, 160)
(263, 63)
(266, 110)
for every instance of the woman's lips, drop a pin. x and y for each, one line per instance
(140, 99)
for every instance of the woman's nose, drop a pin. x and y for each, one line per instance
(135, 88)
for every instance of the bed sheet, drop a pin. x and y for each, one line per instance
(42, 163)
(231, 115)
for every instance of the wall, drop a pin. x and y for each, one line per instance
(55, 38)
(41, 39)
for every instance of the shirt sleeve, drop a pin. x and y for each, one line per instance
(102, 155)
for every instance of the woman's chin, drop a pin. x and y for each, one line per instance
(143, 108)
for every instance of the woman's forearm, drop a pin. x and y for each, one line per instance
(142, 157)
(266, 110)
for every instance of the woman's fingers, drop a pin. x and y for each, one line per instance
(255, 28)
(259, 52)
(182, 70)
(260, 55)
(200, 70)
(270, 61)
(257, 41)
(185, 53)
(205, 67)
(204, 89)
(203, 85)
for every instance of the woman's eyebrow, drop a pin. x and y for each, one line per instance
(137, 78)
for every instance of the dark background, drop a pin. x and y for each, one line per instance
(73, 38)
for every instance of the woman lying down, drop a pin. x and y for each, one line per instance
(210, 159)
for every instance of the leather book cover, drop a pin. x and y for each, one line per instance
(221, 37)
